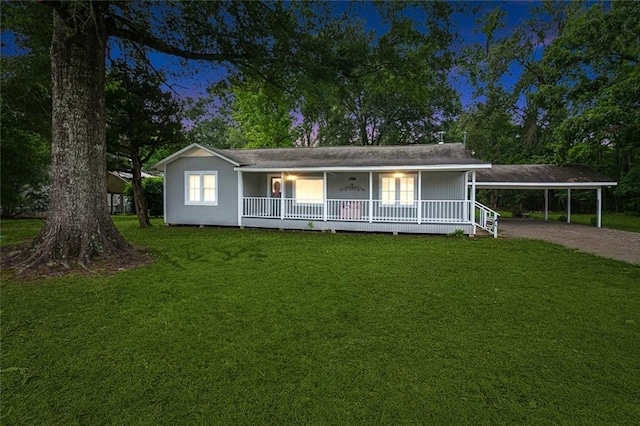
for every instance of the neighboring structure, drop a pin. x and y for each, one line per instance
(546, 177)
(408, 189)
(115, 191)
(116, 200)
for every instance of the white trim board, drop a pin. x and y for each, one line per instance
(436, 167)
(542, 185)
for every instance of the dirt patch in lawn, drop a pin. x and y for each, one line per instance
(11, 265)
(611, 243)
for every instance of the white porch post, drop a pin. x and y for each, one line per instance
(283, 193)
(324, 196)
(472, 212)
(240, 198)
(370, 197)
(568, 205)
(465, 208)
(599, 207)
(419, 197)
(546, 204)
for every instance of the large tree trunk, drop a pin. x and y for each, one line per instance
(142, 211)
(78, 226)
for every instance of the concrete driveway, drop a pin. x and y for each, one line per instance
(611, 243)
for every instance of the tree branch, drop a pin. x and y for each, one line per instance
(146, 39)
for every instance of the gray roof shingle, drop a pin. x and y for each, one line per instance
(352, 156)
(540, 173)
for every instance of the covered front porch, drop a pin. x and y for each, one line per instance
(407, 201)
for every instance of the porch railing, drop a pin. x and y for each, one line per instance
(429, 211)
(486, 219)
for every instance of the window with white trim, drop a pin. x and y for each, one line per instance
(201, 188)
(397, 189)
(308, 190)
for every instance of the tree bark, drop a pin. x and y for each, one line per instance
(140, 200)
(78, 228)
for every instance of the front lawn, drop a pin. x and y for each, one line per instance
(235, 326)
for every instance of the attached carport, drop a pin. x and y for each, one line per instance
(545, 177)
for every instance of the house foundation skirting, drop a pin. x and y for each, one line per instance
(319, 225)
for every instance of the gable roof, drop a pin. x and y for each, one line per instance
(433, 156)
(541, 176)
(193, 151)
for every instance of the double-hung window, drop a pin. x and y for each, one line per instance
(201, 188)
(398, 189)
(308, 190)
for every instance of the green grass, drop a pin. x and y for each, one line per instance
(237, 326)
(621, 221)
(16, 231)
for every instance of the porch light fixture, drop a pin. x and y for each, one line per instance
(291, 177)
(398, 175)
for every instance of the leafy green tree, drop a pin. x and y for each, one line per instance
(491, 122)
(25, 108)
(248, 113)
(140, 119)
(211, 124)
(386, 89)
(592, 67)
(252, 36)
(263, 114)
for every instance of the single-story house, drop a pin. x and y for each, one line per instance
(400, 189)
(428, 189)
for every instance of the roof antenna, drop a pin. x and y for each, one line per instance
(441, 134)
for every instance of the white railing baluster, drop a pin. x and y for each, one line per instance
(430, 211)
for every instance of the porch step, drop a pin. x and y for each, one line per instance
(481, 233)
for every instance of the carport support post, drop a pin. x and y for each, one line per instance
(568, 205)
(599, 207)
(546, 204)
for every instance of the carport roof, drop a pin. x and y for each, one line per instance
(540, 176)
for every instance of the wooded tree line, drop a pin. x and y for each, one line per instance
(561, 87)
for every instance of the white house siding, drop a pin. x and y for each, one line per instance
(225, 213)
(350, 186)
(255, 184)
(443, 185)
